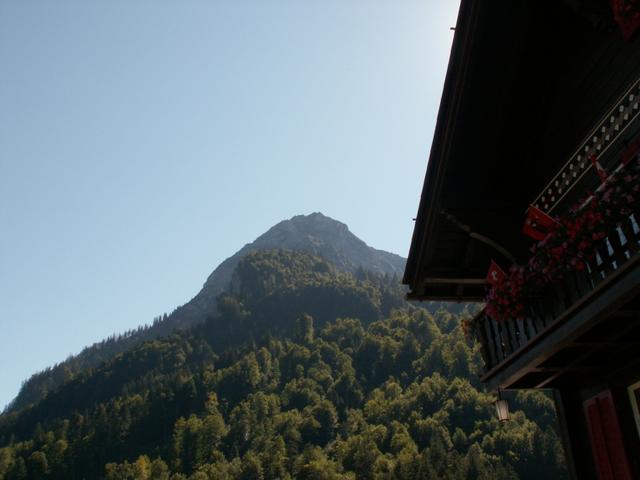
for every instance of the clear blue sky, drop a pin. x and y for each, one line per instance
(143, 142)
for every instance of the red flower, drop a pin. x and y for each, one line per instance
(568, 245)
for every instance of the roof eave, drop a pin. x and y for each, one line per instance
(445, 125)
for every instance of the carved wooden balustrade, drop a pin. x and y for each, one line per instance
(501, 339)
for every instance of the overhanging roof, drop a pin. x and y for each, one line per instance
(513, 107)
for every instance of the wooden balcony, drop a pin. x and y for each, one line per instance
(508, 346)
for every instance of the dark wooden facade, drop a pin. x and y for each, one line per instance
(532, 90)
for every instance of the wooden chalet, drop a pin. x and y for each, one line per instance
(540, 106)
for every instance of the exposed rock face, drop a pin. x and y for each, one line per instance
(314, 233)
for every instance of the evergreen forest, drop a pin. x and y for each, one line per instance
(305, 372)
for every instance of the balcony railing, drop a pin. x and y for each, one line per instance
(500, 340)
(617, 123)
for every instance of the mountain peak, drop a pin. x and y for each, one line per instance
(313, 216)
(315, 233)
(313, 220)
(316, 218)
(293, 234)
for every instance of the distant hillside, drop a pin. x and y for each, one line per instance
(305, 372)
(316, 234)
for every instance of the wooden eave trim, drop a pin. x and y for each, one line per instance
(449, 106)
(443, 298)
(454, 281)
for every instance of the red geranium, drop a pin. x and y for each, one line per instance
(570, 245)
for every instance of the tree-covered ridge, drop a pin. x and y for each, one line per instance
(41, 383)
(315, 233)
(305, 373)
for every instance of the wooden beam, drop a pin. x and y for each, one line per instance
(575, 363)
(454, 281)
(442, 298)
(603, 344)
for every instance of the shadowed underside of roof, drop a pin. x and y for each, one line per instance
(526, 81)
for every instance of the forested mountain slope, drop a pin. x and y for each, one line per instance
(315, 233)
(304, 372)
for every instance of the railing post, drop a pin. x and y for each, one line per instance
(523, 337)
(618, 249)
(497, 338)
(583, 282)
(632, 234)
(478, 330)
(511, 326)
(531, 318)
(504, 334)
(571, 287)
(493, 353)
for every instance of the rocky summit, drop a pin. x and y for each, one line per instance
(316, 234)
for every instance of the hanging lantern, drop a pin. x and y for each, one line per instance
(502, 407)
